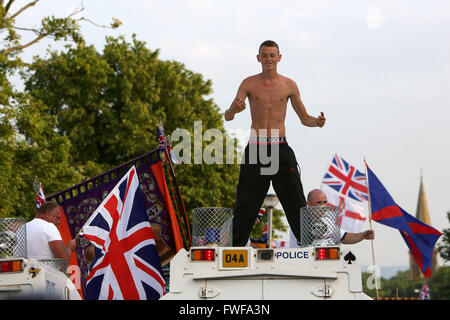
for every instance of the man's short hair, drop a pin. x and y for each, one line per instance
(269, 43)
(46, 207)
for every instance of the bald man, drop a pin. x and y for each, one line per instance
(317, 198)
(43, 238)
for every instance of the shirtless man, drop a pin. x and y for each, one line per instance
(268, 94)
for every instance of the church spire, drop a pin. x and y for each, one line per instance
(422, 212)
(423, 215)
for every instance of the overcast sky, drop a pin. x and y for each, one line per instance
(379, 70)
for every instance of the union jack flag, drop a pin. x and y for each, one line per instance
(265, 234)
(161, 138)
(425, 292)
(346, 179)
(126, 264)
(39, 198)
(261, 213)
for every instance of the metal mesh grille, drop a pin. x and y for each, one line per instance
(319, 226)
(59, 264)
(166, 272)
(13, 238)
(212, 226)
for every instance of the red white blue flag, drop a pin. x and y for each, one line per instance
(126, 264)
(265, 234)
(40, 197)
(425, 292)
(261, 213)
(346, 179)
(352, 217)
(419, 237)
(164, 144)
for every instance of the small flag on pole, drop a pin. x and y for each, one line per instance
(261, 213)
(40, 197)
(425, 292)
(164, 144)
(265, 234)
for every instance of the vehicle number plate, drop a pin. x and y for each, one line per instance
(235, 258)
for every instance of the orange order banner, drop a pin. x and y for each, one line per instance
(73, 261)
(161, 181)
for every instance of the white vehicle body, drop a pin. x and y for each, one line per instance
(34, 280)
(235, 273)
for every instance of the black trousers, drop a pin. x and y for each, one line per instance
(253, 186)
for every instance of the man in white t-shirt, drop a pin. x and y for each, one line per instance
(43, 238)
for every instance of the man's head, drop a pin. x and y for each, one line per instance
(50, 212)
(269, 55)
(316, 198)
(269, 44)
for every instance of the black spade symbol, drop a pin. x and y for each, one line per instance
(349, 257)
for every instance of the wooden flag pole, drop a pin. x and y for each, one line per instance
(81, 229)
(370, 224)
(78, 234)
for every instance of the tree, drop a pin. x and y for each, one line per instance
(444, 243)
(278, 224)
(108, 105)
(19, 155)
(400, 284)
(29, 145)
(84, 112)
(440, 284)
(53, 27)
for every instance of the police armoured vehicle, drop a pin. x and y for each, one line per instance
(213, 269)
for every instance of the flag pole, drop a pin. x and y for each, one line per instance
(81, 229)
(371, 228)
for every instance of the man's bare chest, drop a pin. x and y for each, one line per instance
(269, 95)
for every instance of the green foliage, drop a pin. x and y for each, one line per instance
(28, 144)
(83, 112)
(108, 105)
(57, 28)
(440, 284)
(71, 84)
(444, 242)
(31, 148)
(400, 285)
(278, 224)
